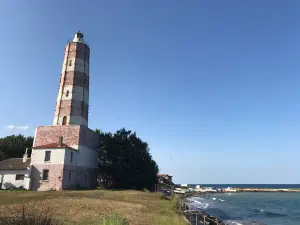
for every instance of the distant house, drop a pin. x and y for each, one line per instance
(14, 173)
(164, 178)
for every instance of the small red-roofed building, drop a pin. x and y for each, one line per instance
(164, 178)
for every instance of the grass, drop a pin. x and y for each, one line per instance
(101, 207)
(115, 219)
(29, 213)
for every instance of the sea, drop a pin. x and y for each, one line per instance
(251, 208)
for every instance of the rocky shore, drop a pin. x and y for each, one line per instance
(195, 217)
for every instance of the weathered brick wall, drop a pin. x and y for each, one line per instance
(81, 177)
(73, 135)
(79, 50)
(50, 134)
(55, 177)
(76, 78)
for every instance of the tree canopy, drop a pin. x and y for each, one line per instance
(125, 160)
(14, 146)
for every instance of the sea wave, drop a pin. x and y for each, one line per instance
(200, 205)
(251, 208)
(268, 213)
(274, 214)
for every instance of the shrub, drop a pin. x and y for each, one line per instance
(29, 214)
(115, 219)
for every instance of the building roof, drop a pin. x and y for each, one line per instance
(14, 164)
(163, 175)
(54, 145)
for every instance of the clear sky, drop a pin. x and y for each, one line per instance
(212, 86)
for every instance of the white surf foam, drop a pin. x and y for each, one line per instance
(231, 222)
(243, 222)
(201, 205)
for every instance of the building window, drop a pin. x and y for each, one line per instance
(47, 156)
(70, 174)
(64, 122)
(67, 94)
(71, 156)
(20, 177)
(45, 174)
(70, 63)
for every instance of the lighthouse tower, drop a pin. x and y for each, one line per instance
(64, 155)
(73, 96)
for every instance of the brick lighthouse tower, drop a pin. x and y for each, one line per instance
(73, 95)
(64, 155)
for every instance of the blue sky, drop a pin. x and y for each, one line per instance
(212, 86)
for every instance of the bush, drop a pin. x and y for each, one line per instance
(29, 214)
(115, 219)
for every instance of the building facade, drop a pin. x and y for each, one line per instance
(64, 155)
(14, 173)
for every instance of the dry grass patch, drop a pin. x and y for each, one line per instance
(30, 213)
(97, 206)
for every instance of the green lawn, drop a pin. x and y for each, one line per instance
(92, 207)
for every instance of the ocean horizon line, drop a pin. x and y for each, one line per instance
(270, 186)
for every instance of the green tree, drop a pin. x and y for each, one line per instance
(2, 156)
(14, 146)
(126, 160)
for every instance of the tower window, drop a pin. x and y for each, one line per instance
(70, 174)
(64, 122)
(71, 156)
(67, 94)
(70, 63)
